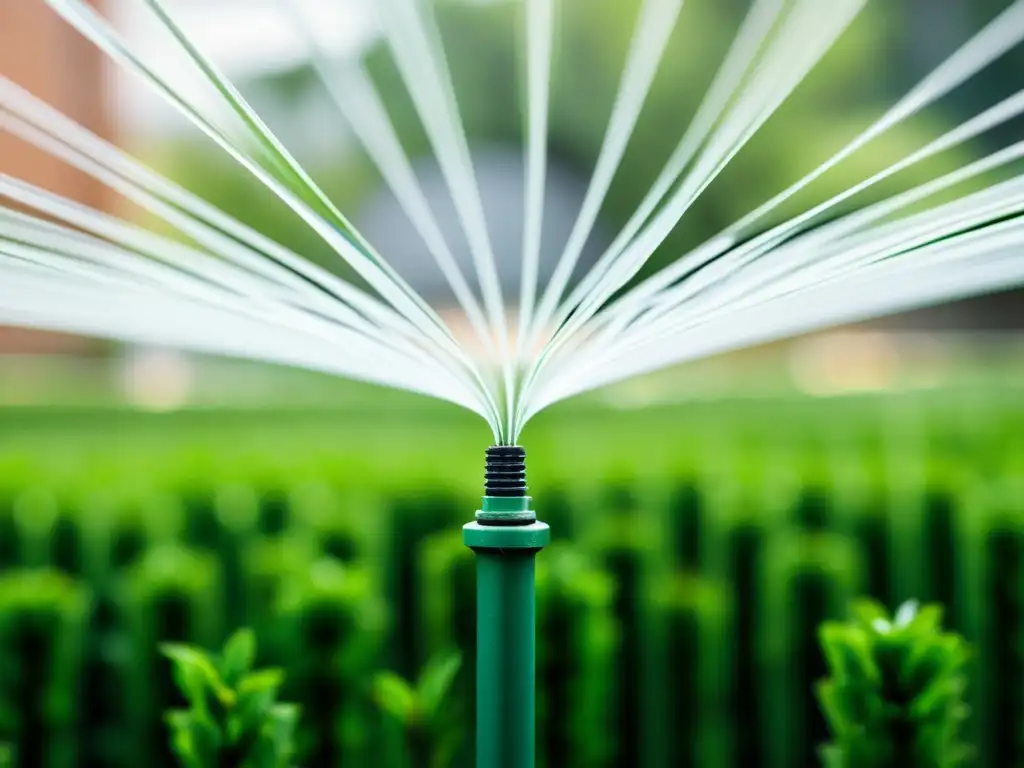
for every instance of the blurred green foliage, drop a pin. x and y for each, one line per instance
(896, 691)
(43, 617)
(697, 548)
(432, 725)
(233, 716)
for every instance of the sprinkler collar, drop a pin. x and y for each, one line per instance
(505, 520)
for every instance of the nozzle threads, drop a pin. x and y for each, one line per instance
(505, 471)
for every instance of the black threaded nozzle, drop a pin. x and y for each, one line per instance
(505, 471)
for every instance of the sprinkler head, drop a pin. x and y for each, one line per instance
(505, 504)
(505, 471)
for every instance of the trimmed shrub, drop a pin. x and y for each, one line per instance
(895, 692)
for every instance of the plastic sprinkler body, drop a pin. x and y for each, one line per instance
(505, 537)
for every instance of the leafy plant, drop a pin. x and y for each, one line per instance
(895, 696)
(335, 620)
(425, 710)
(233, 717)
(43, 619)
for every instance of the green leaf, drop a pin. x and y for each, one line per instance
(906, 614)
(436, 681)
(395, 697)
(257, 694)
(270, 679)
(238, 656)
(195, 739)
(196, 674)
(928, 620)
(867, 613)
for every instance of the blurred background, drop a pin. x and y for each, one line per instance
(706, 518)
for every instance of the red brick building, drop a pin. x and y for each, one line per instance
(42, 53)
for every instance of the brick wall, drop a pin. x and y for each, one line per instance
(43, 54)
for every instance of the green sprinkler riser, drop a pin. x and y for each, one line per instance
(506, 538)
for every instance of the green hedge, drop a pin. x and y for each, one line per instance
(696, 550)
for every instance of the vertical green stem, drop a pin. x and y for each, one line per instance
(506, 660)
(506, 637)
